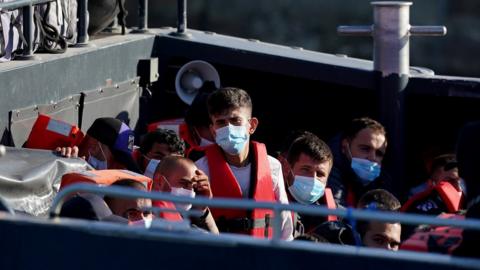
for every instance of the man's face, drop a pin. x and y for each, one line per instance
(92, 147)
(181, 176)
(159, 151)
(367, 144)
(383, 235)
(306, 166)
(237, 117)
(130, 209)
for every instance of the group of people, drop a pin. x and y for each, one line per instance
(220, 160)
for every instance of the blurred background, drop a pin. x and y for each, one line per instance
(312, 25)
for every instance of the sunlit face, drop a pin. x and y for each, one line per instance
(237, 117)
(306, 166)
(181, 176)
(367, 144)
(383, 235)
(131, 209)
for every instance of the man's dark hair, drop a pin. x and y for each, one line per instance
(162, 136)
(446, 161)
(359, 124)
(228, 98)
(310, 145)
(129, 183)
(376, 200)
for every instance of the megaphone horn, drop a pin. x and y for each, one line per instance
(191, 77)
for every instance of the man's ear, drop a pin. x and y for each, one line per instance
(253, 125)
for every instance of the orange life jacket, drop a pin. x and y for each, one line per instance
(171, 216)
(48, 133)
(224, 185)
(439, 239)
(104, 178)
(450, 196)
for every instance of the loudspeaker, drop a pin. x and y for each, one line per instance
(191, 77)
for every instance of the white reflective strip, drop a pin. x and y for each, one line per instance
(151, 167)
(59, 127)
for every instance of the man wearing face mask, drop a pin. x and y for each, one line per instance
(240, 168)
(308, 165)
(358, 156)
(157, 145)
(180, 177)
(107, 145)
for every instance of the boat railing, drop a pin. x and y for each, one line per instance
(27, 8)
(277, 208)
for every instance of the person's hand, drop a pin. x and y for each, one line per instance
(68, 152)
(201, 185)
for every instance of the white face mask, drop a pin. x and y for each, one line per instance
(186, 193)
(96, 163)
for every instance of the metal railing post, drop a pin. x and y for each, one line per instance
(181, 19)
(142, 17)
(391, 33)
(28, 26)
(83, 21)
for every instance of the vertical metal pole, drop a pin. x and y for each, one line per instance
(142, 17)
(181, 16)
(391, 37)
(28, 26)
(391, 57)
(143, 14)
(181, 19)
(82, 26)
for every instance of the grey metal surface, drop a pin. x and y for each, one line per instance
(391, 32)
(55, 77)
(120, 101)
(105, 244)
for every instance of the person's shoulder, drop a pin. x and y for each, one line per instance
(202, 162)
(274, 163)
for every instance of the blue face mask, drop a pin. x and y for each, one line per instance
(366, 170)
(232, 139)
(306, 190)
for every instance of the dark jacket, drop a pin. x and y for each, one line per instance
(343, 179)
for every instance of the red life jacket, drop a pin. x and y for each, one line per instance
(439, 239)
(224, 185)
(104, 178)
(171, 216)
(48, 133)
(452, 199)
(329, 201)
